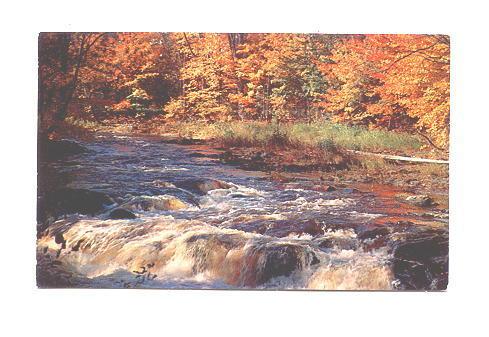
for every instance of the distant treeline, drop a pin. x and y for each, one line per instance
(396, 82)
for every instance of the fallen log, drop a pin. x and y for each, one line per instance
(401, 158)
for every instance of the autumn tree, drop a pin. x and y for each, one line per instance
(392, 81)
(247, 76)
(144, 68)
(397, 82)
(207, 77)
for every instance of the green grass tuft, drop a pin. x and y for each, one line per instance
(326, 135)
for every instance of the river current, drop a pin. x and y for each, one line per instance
(204, 224)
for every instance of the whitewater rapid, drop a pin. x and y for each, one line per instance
(244, 231)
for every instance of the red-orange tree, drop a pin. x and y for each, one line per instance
(390, 81)
(393, 81)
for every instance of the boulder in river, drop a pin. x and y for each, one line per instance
(72, 200)
(282, 260)
(155, 203)
(120, 213)
(421, 263)
(202, 186)
(55, 149)
(179, 193)
(312, 227)
(374, 233)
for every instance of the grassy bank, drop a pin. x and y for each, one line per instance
(300, 147)
(325, 135)
(320, 135)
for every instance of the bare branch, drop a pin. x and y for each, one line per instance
(412, 52)
(188, 45)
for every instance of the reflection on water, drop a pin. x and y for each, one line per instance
(232, 228)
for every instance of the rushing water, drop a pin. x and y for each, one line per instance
(204, 224)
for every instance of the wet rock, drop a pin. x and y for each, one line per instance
(120, 213)
(183, 195)
(419, 200)
(60, 240)
(55, 149)
(374, 233)
(202, 186)
(207, 250)
(164, 184)
(338, 243)
(155, 203)
(76, 247)
(71, 200)
(169, 189)
(421, 263)
(282, 260)
(313, 228)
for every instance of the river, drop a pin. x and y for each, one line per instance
(204, 224)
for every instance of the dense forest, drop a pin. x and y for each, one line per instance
(393, 82)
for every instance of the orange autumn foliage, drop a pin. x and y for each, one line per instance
(393, 81)
(397, 82)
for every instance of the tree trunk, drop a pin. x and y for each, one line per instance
(70, 90)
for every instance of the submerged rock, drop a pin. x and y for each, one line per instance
(120, 213)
